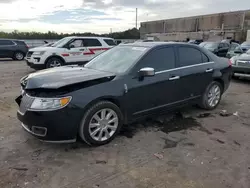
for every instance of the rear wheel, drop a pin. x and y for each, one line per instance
(19, 56)
(212, 96)
(54, 62)
(101, 123)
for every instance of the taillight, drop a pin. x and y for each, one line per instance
(230, 63)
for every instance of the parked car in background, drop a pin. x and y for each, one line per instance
(121, 85)
(198, 41)
(15, 49)
(235, 49)
(69, 50)
(245, 46)
(241, 63)
(218, 48)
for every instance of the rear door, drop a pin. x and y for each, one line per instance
(195, 72)
(7, 48)
(93, 48)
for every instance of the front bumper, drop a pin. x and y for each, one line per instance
(241, 70)
(35, 66)
(35, 61)
(59, 126)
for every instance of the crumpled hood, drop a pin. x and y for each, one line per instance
(55, 78)
(245, 57)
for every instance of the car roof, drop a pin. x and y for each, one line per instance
(91, 37)
(155, 44)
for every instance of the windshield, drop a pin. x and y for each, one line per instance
(118, 59)
(247, 43)
(61, 42)
(202, 44)
(234, 47)
(211, 45)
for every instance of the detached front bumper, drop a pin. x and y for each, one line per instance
(59, 126)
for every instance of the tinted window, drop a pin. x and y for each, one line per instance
(20, 43)
(189, 56)
(110, 42)
(6, 42)
(92, 42)
(159, 59)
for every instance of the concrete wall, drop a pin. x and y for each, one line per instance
(229, 22)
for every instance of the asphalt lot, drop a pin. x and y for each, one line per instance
(194, 148)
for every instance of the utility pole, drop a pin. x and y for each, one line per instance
(110, 30)
(136, 11)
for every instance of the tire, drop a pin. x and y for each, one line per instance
(19, 56)
(54, 62)
(216, 95)
(100, 128)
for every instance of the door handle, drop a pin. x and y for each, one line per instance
(209, 70)
(81, 49)
(174, 78)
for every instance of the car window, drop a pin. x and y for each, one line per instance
(233, 47)
(6, 42)
(76, 43)
(110, 42)
(92, 42)
(159, 59)
(189, 56)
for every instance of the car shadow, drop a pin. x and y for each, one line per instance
(242, 80)
(5, 59)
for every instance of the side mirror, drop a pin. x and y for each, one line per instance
(71, 46)
(146, 72)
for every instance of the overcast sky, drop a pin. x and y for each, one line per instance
(100, 15)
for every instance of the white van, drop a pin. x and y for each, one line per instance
(69, 50)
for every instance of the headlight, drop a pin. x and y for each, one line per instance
(39, 53)
(50, 103)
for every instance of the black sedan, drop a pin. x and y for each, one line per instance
(124, 84)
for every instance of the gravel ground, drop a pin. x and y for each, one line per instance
(192, 148)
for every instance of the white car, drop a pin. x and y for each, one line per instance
(69, 50)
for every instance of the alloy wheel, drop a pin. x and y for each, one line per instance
(19, 56)
(55, 63)
(214, 95)
(103, 124)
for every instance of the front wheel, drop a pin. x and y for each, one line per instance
(212, 96)
(54, 62)
(101, 123)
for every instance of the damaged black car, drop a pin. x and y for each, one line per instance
(123, 84)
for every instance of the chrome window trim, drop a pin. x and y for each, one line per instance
(179, 68)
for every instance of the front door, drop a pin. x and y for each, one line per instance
(156, 93)
(75, 51)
